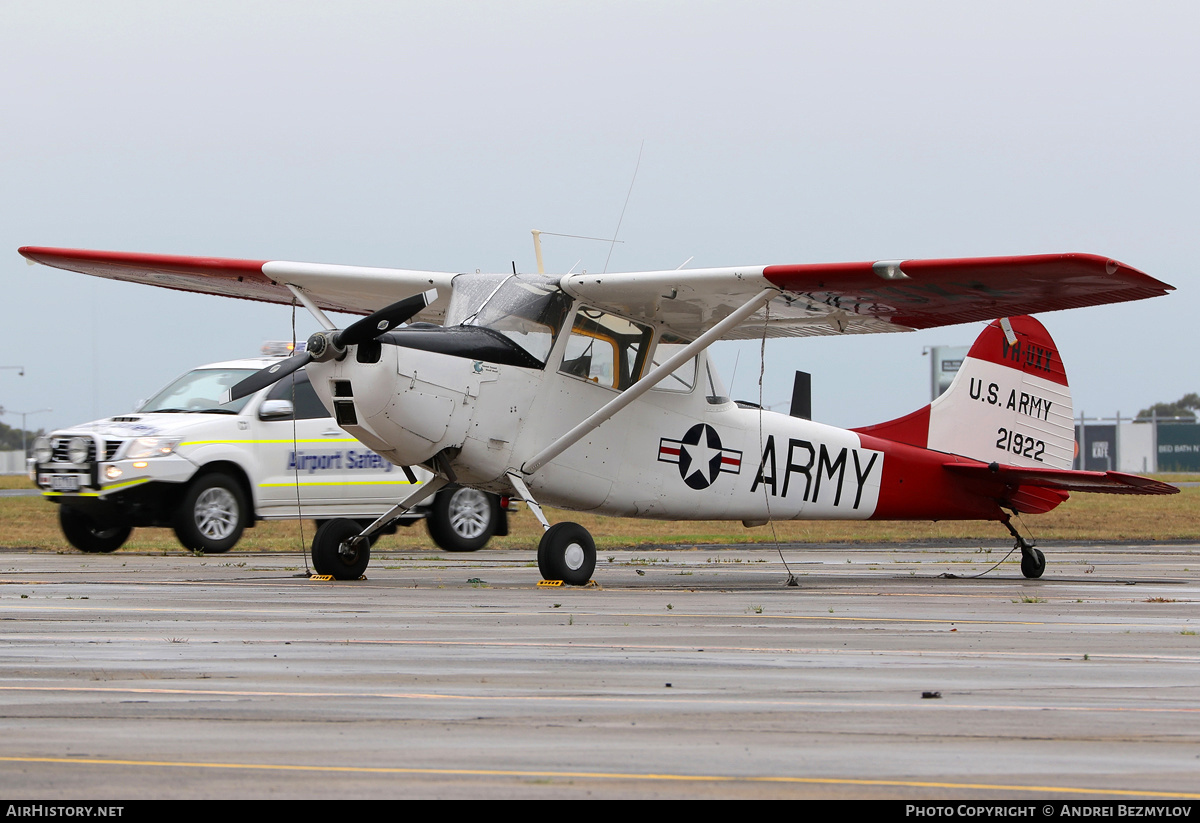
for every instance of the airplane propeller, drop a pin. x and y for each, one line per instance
(265, 377)
(384, 320)
(327, 345)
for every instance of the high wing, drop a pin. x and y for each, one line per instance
(353, 289)
(814, 299)
(887, 295)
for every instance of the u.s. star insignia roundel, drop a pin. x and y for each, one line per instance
(700, 456)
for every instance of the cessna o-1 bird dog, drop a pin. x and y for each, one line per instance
(595, 392)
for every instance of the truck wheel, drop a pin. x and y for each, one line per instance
(337, 553)
(212, 514)
(85, 534)
(462, 519)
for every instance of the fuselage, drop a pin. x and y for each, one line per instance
(679, 452)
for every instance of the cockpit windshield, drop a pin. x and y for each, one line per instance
(199, 392)
(528, 309)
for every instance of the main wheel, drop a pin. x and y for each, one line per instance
(87, 535)
(362, 524)
(567, 553)
(463, 520)
(212, 514)
(1033, 563)
(336, 552)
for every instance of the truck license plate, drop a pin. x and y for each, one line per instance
(64, 482)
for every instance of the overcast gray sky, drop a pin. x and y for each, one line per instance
(436, 135)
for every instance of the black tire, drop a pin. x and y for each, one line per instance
(328, 555)
(567, 553)
(212, 514)
(462, 519)
(87, 535)
(362, 524)
(1033, 563)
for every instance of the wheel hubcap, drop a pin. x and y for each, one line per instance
(573, 556)
(468, 513)
(348, 548)
(216, 513)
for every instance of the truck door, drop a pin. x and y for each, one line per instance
(309, 454)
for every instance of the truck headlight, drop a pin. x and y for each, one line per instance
(144, 447)
(42, 451)
(77, 450)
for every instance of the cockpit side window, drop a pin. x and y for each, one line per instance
(606, 349)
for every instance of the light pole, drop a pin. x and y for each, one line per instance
(20, 373)
(24, 450)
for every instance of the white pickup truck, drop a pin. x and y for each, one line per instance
(209, 471)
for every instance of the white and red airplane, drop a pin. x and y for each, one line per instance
(520, 384)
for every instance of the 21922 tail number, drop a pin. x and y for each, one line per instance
(1017, 443)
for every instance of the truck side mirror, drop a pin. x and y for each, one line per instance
(276, 410)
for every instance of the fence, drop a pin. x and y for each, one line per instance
(12, 462)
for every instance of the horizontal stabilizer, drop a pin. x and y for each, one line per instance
(1063, 479)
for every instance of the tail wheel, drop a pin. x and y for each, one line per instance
(339, 552)
(87, 535)
(567, 553)
(1033, 563)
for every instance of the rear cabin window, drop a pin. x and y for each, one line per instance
(683, 379)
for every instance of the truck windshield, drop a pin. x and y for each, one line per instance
(199, 392)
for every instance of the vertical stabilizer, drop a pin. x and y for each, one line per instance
(1009, 403)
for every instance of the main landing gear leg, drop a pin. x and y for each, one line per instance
(566, 551)
(1033, 562)
(342, 548)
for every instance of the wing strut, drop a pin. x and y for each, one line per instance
(312, 307)
(646, 383)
